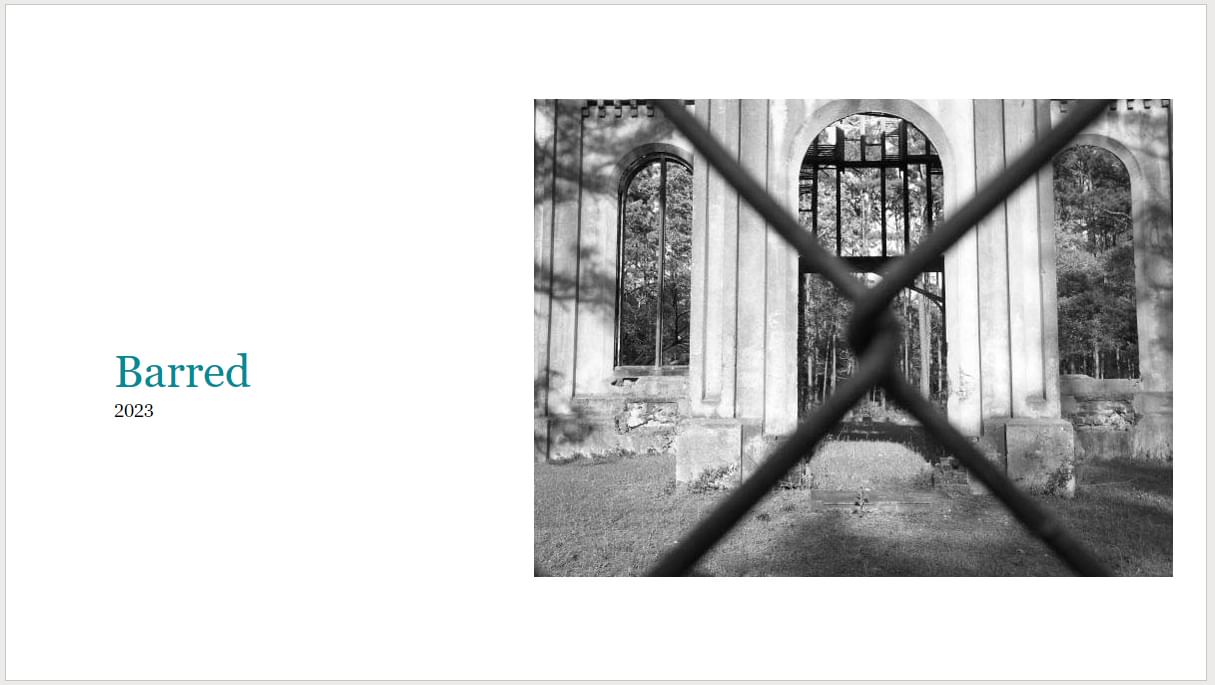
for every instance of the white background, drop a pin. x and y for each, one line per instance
(341, 192)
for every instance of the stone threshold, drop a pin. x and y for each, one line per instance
(893, 501)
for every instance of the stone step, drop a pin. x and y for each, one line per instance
(888, 501)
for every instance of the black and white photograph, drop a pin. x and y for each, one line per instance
(870, 337)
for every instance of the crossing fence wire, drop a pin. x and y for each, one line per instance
(874, 334)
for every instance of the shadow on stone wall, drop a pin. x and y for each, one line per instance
(1156, 292)
(590, 150)
(593, 286)
(572, 425)
(580, 164)
(594, 289)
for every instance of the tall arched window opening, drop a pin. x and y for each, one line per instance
(1095, 262)
(871, 187)
(655, 276)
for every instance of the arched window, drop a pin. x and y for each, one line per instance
(1095, 261)
(870, 185)
(655, 277)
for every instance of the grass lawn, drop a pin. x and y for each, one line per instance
(614, 519)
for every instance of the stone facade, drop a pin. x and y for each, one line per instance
(1139, 133)
(1115, 418)
(738, 394)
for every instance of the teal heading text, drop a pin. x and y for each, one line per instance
(131, 375)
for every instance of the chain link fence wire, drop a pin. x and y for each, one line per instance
(874, 334)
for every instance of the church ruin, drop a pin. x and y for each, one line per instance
(668, 317)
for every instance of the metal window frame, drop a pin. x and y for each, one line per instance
(833, 158)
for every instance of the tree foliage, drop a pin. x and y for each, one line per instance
(1095, 265)
(657, 238)
(825, 358)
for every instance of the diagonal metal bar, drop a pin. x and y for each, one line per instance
(759, 199)
(905, 269)
(1039, 522)
(875, 365)
(877, 345)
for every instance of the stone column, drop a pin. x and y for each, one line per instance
(557, 267)
(697, 321)
(712, 437)
(1022, 427)
(564, 280)
(1027, 308)
(963, 358)
(780, 347)
(712, 380)
(545, 136)
(597, 219)
(752, 267)
(1048, 271)
(752, 276)
(992, 233)
(1148, 121)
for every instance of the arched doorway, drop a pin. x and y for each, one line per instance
(870, 188)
